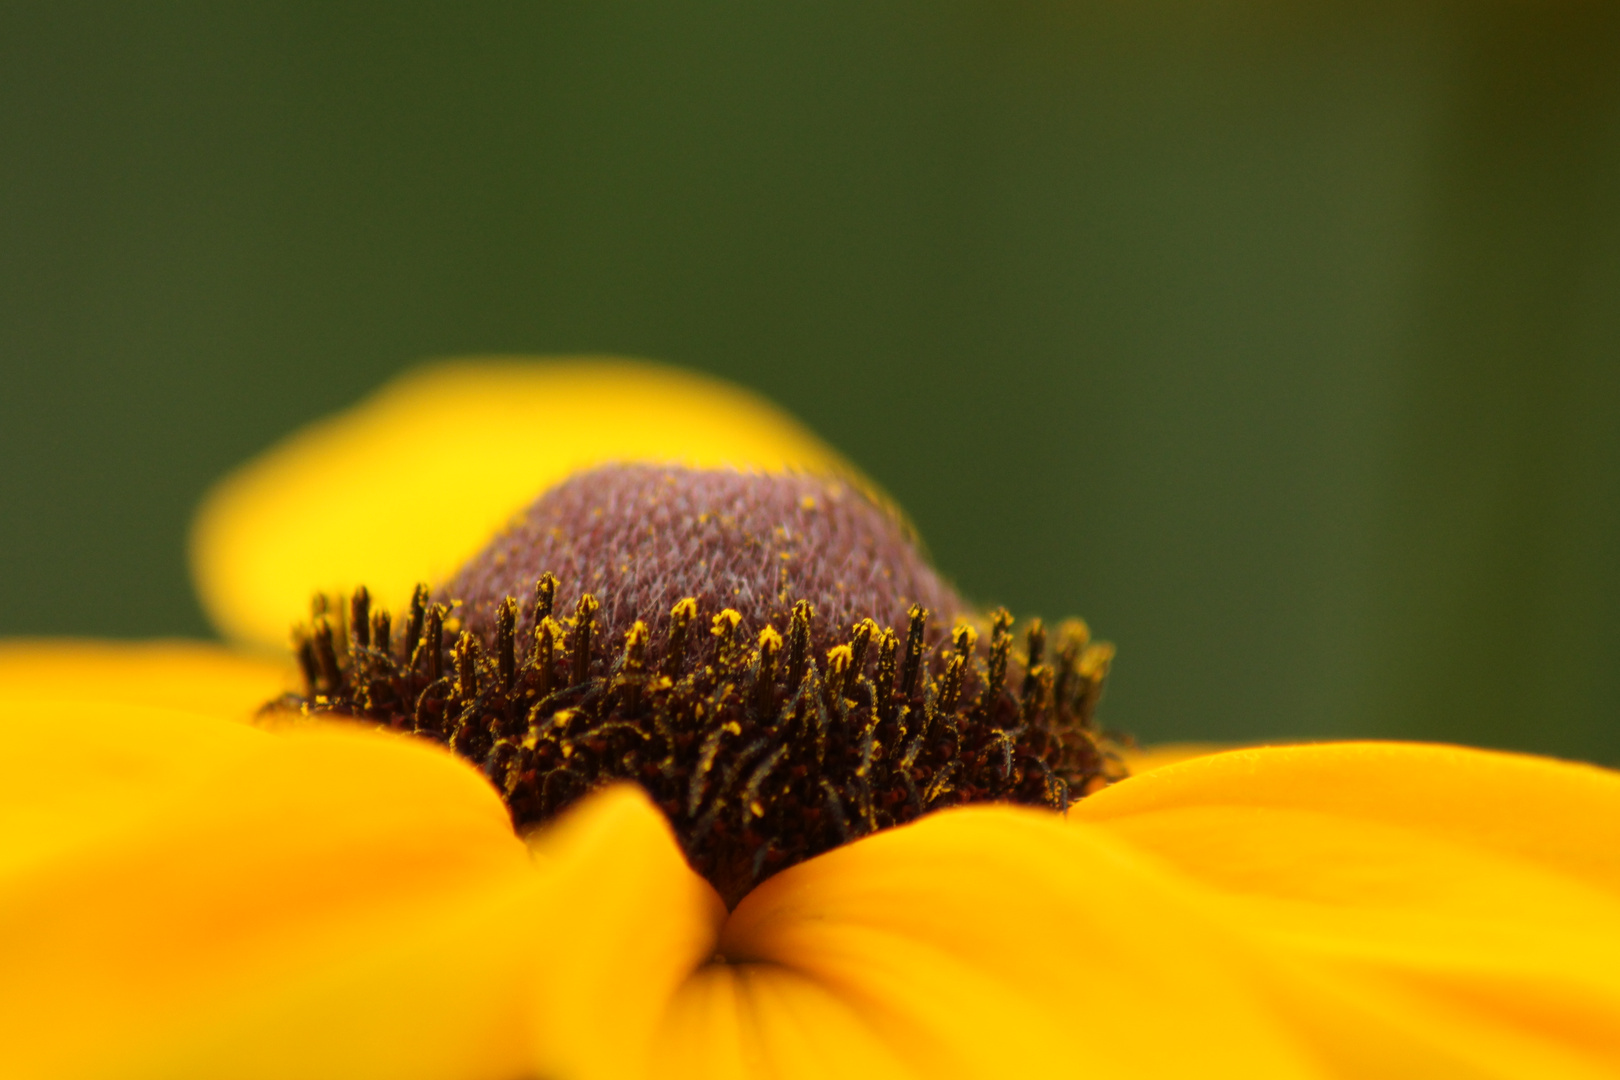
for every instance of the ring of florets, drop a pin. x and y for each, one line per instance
(760, 753)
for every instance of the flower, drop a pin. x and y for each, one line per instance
(185, 894)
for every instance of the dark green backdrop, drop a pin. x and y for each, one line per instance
(1280, 339)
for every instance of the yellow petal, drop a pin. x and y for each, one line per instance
(1415, 910)
(559, 971)
(627, 921)
(1139, 759)
(167, 879)
(732, 1021)
(990, 942)
(191, 676)
(1564, 814)
(413, 481)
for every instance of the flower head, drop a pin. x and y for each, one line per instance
(755, 650)
(186, 893)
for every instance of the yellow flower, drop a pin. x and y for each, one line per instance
(185, 894)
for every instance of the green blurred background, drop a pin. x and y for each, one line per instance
(1280, 339)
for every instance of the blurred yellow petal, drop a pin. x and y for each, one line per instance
(414, 480)
(1416, 910)
(191, 676)
(744, 1020)
(560, 971)
(993, 941)
(627, 921)
(164, 876)
(1561, 813)
(440, 989)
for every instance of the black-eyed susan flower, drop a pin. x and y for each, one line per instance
(685, 763)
